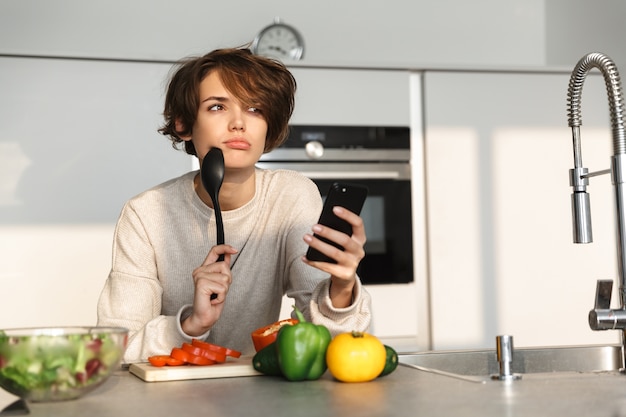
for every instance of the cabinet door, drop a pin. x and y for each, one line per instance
(351, 97)
(502, 261)
(79, 138)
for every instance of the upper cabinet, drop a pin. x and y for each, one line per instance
(79, 138)
(351, 97)
(389, 33)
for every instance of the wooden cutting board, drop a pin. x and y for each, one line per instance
(231, 368)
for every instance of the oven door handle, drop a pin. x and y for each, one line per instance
(324, 175)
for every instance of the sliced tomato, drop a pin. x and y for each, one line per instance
(205, 353)
(163, 360)
(233, 353)
(201, 361)
(188, 357)
(216, 348)
(157, 360)
(181, 355)
(208, 346)
(195, 353)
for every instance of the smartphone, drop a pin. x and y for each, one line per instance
(349, 196)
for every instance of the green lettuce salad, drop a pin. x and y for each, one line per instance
(51, 367)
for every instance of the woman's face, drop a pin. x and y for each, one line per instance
(223, 123)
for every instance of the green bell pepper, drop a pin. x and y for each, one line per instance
(302, 349)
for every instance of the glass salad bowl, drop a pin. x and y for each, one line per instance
(58, 363)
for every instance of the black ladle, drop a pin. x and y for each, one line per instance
(212, 175)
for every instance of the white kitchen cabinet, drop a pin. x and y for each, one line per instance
(502, 261)
(351, 97)
(385, 33)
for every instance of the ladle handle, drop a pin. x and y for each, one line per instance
(220, 233)
(219, 223)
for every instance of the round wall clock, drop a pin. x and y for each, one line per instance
(279, 40)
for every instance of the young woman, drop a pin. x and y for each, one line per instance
(165, 261)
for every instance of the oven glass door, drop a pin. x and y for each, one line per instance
(387, 219)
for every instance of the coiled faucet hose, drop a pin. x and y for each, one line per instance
(614, 90)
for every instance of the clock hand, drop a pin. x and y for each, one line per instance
(278, 49)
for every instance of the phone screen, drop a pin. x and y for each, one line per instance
(349, 196)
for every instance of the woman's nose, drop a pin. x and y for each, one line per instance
(237, 122)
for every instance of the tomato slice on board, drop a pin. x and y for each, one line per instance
(216, 348)
(158, 361)
(208, 346)
(201, 361)
(195, 353)
(187, 357)
(163, 360)
(233, 353)
(208, 354)
(178, 353)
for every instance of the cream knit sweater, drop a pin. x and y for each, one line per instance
(167, 231)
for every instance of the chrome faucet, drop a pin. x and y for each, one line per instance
(602, 317)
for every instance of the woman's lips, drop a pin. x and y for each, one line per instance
(238, 144)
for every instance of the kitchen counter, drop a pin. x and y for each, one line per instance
(406, 392)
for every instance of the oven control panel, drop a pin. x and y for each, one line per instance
(342, 143)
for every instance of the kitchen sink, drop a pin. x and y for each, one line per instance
(587, 358)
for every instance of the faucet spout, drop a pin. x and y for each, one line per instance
(601, 317)
(616, 101)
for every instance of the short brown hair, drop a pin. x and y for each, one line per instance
(254, 80)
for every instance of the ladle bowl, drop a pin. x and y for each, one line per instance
(212, 175)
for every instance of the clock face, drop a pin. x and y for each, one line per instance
(279, 41)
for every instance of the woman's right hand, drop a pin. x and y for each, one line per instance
(212, 277)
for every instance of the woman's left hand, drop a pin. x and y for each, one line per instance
(343, 273)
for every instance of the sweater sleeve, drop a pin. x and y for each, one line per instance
(356, 316)
(131, 296)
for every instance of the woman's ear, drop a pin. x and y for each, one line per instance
(181, 128)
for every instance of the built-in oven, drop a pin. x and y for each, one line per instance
(377, 157)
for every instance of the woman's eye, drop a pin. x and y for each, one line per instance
(254, 110)
(216, 107)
